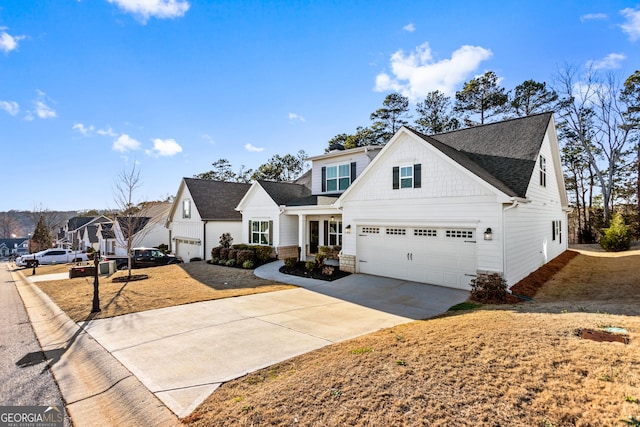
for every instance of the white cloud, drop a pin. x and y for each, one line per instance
(250, 147)
(7, 41)
(125, 143)
(83, 129)
(42, 110)
(145, 9)
(10, 107)
(294, 116)
(106, 132)
(164, 148)
(593, 17)
(609, 62)
(208, 138)
(416, 74)
(410, 28)
(632, 26)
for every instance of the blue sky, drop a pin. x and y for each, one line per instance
(88, 87)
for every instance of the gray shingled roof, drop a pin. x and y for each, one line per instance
(283, 193)
(78, 221)
(216, 200)
(504, 154)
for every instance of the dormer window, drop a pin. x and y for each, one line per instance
(338, 178)
(543, 171)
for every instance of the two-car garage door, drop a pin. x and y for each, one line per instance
(436, 255)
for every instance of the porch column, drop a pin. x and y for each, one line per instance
(302, 233)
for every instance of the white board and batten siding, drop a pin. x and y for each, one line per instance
(531, 241)
(259, 206)
(439, 238)
(187, 234)
(215, 229)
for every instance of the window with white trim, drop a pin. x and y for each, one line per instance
(556, 231)
(260, 233)
(186, 208)
(543, 171)
(406, 176)
(338, 177)
(335, 233)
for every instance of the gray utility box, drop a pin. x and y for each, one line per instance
(107, 268)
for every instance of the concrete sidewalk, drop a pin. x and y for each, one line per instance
(183, 353)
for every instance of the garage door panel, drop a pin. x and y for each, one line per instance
(438, 256)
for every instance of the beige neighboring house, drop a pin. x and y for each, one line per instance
(202, 211)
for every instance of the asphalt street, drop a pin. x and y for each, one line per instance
(25, 379)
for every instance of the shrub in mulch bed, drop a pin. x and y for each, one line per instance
(324, 272)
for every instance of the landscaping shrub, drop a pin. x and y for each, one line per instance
(224, 253)
(290, 263)
(164, 248)
(310, 265)
(328, 270)
(222, 261)
(214, 260)
(231, 263)
(245, 255)
(489, 288)
(233, 254)
(241, 246)
(215, 252)
(226, 240)
(617, 237)
(321, 258)
(263, 253)
(247, 264)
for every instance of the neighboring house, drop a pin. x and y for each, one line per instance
(302, 215)
(145, 229)
(16, 247)
(72, 233)
(202, 211)
(438, 209)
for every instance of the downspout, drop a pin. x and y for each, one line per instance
(514, 204)
(204, 239)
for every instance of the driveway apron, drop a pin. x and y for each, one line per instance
(184, 353)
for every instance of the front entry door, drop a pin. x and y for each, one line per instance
(314, 236)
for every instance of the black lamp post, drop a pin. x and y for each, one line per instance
(96, 295)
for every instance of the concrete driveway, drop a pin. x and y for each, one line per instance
(182, 354)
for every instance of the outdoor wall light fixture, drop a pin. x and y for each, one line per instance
(332, 219)
(347, 229)
(488, 234)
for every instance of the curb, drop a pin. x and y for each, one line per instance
(96, 387)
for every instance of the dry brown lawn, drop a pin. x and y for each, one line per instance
(166, 286)
(511, 365)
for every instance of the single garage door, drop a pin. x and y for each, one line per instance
(188, 248)
(436, 255)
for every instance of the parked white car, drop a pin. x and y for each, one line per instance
(51, 256)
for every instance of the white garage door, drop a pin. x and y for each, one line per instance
(435, 255)
(188, 248)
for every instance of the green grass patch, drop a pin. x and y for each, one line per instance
(465, 306)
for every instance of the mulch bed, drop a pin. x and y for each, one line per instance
(316, 273)
(530, 285)
(132, 278)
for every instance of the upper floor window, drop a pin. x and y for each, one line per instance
(186, 208)
(338, 178)
(543, 171)
(407, 176)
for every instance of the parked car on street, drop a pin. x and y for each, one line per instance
(143, 257)
(51, 256)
